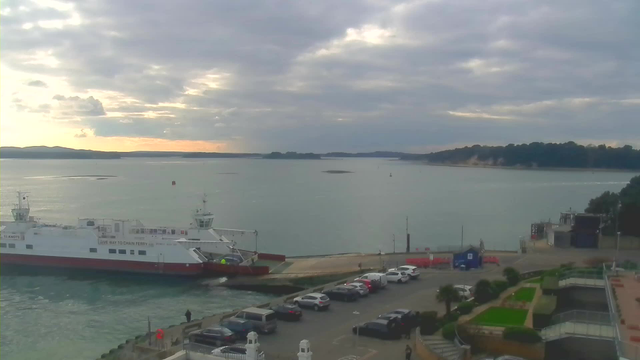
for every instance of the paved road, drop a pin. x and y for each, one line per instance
(330, 332)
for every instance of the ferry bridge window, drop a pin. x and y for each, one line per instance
(112, 251)
(30, 247)
(94, 250)
(122, 251)
(3, 245)
(91, 223)
(142, 252)
(132, 252)
(12, 246)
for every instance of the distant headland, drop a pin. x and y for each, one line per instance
(536, 155)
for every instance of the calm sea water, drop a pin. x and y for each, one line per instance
(296, 207)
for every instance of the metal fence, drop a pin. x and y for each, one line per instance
(581, 316)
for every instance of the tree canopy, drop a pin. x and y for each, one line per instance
(629, 211)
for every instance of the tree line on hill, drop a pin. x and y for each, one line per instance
(538, 155)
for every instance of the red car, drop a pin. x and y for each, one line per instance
(368, 284)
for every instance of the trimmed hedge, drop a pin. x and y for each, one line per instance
(549, 285)
(428, 322)
(499, 286)
(449, 331)
(521, 334)
(449, 318)
(465, 307)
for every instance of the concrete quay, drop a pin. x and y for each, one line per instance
(330, 332)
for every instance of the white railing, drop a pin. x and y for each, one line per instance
(578, 329)
(582, 316)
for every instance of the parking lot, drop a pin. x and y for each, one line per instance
(329, 332)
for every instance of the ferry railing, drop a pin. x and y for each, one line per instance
(201, 349)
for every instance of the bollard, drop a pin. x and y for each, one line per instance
(252, 346)
(305, 350)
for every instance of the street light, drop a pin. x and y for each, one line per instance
(357, 327)
(617, 232)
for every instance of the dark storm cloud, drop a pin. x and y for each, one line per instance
(359, 75)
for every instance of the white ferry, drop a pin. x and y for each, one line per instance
(111, 244)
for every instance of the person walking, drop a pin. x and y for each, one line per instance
(188, 315)
(407, 352)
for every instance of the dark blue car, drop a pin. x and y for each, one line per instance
(241, 328)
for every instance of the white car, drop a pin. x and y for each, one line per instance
(397, 276)
(361, 288)
(377, 277)
(409, 269)
(465, 291)
(233, 352)
(316, 301)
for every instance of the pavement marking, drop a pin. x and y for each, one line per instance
(336, 341)
(350, 357)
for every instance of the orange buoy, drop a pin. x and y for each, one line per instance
(160, 334)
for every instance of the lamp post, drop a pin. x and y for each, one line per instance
(357, 327)
(617, 233)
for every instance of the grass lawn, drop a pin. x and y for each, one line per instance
(534, 281)
(499, 316)
(523, 294)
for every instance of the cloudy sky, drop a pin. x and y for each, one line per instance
(328, 75)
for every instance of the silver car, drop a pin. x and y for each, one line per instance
(316, 301)
(361, 288)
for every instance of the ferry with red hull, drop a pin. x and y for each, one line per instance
(120, 245)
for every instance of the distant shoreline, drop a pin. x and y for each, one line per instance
(524, 168)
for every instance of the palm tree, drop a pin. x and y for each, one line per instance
(447, 294)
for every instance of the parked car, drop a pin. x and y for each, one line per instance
(465, 291)
(361, 288)
(381, 329)
(213, 336)
(343, 293)
(400, 277)
(375, 277)
(233, 352)
(287, 312)
(316, 301)
(413, 271)
(373, 286)
(394, 319)
(240, 327)
(406, 316)
(263, 320)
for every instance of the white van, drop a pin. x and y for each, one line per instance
(382, 278)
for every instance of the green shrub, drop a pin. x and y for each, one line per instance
(449, 331)
(499, 286)
(428, 322)
(465, 307)
(512, 275)
(449, 318)
(484, 291)
(521, 334)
